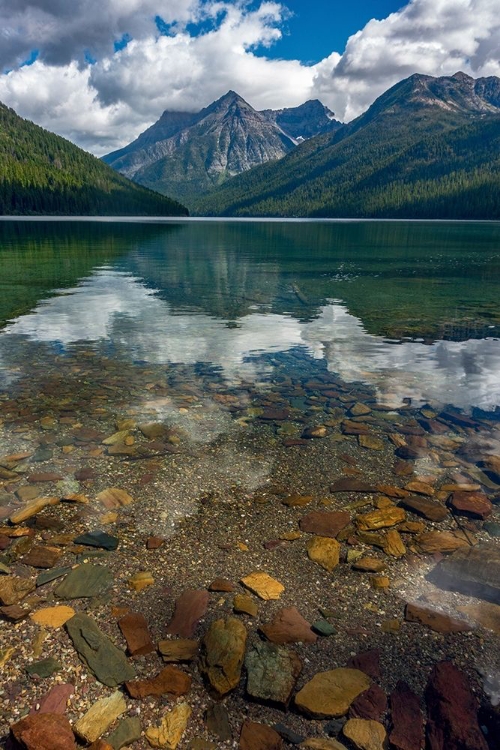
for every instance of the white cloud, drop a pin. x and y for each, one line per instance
(105, 105)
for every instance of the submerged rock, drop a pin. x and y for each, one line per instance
(452, 711)
(95, 649)
(222, 654)
(329, 694)
(272, 673)
(472, 570)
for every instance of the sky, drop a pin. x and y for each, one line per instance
(99, 72)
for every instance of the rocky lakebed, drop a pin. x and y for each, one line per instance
(196, 564)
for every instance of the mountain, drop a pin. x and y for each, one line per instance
(42, 173)
(187, 153)
(427, 148)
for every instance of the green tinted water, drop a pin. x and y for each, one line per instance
(410, 308)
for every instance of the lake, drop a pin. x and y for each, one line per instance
(293, 425)
(409, 309)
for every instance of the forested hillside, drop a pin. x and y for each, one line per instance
(42, 173)
(428, 148)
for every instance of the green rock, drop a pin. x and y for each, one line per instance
(127, 732)
(45, 667)
(107, 662)
(85, 581)
(50, 575)
(98, 539)
(42, 454)
(492, 528)
(272, 672)
(322, 627)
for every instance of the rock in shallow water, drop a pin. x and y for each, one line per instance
(329, 694)
(452, 711)
(101, 656)
(44, 732)
(272, 673)
(472, 570)
(222, 654)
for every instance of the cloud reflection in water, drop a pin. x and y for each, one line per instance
(117, 307)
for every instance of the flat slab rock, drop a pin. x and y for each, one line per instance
(189, 609)
(452, 711)
(100, 716)
(433, 510)
(135, 630)
(471, 504)
(471, 570)
(85, 581)
(288, 626)
(170, 680)
(55, 701)
(433, 618)
(330, 694)
(272, 672)
(372, 704)
(107, 662)
(263, 585)
(325, 523)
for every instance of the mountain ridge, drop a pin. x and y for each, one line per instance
(188, 153)
(348, 173)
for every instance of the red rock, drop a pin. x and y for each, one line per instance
(407, 719)
(290, 442)
(259, 737)
(170, 680)
(351, 485)
(154, 542)
(452, 711)
(367, 662)
(221, 584)
(325, 523)
(84, 474)
(42, 557)
(4, 542)
(372, 704)
(14, 612)
(288, 626)
(44, 732)
(44, 476)
(423, 506)
(472, 504)
(55, 701)
(134, 629)
(435, 620)
(189, 609)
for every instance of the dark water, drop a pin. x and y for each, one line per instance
(409, 309)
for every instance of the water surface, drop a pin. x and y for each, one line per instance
(408, 308)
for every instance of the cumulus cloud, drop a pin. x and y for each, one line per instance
(104, 105)
(436, 37)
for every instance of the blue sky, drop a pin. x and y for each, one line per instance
(317, 27)
(99, 72)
